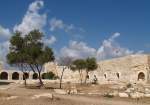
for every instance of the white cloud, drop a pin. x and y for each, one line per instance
(50, 41)
(110, 48)
(77, 50)
(4, 49)
(32, 19)
(5, 34)
(58, 24)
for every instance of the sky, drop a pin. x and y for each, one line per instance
(80, 28)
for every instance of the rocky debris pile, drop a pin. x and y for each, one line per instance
(132, 91)
(72, 90)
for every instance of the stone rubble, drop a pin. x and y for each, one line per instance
(47, 95)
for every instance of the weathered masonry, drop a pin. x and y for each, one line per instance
(18, 75)
(131, 68)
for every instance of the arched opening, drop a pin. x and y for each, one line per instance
(4, 76)
(141, 76)
(44, 76)
(15, 76)
(25, 76)
(105, 76)
(118, 76)
(35, 76)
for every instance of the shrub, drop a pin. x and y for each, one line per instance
(50, 75)
(129, 85)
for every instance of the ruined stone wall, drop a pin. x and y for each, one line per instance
(123, 69)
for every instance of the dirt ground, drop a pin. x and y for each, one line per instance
(24, 97)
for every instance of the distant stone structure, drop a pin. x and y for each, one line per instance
(128, 69)
(131, 68)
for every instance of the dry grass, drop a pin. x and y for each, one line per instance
(25, 94)
(4, 95)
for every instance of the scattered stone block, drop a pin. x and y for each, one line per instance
(136, 95)
(60, 91)
(11, 97)
(147, 95)
(47, 95)
(115, 93)
(124, 95)
(147, 91)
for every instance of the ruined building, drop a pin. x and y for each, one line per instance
(132, 68)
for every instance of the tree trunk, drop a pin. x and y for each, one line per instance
(25, 81)
(80, 73)
(60, 85)
(40, 80)
(87, 73)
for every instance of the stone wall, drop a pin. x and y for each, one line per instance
(124, 69)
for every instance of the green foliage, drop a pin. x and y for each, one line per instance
(91, 64)
(129, 85)
(50, 75)
(78, 64)
(30, 51)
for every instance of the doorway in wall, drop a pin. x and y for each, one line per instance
(141, 76)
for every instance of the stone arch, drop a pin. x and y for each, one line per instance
(25, 76)
(44, 76)
(141, 76)
(4, 76)
(35, 76)
(15, 76)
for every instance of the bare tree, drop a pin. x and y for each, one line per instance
(65, 62)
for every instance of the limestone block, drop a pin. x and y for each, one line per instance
(147, 91)
(47, 95)
(147, 95)
(60, 91)
(115, 93)
(73, 91)
(129, 90)
(125, 95)
(11, 97)
(136, 95)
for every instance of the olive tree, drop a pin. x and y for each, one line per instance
(91, 65)
(31, 51)
(79, 65)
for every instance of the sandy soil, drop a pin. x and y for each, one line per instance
(24, 97)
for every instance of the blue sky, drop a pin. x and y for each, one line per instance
(80, 28)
